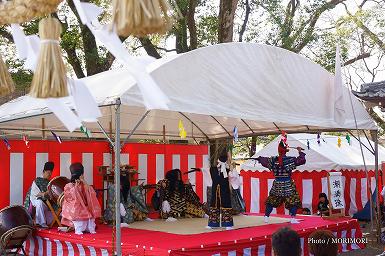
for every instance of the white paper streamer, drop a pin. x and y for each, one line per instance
(153, 96)
(20, 41)
(63, 113)
(339, 107)
(27, 47)
(86, 107)
(85, 104)
(33, 44)
(92, 13)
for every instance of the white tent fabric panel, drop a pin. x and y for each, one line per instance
(237, 83)
(325, 156)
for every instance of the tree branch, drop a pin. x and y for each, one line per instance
(366, 30)
(245, 21)
(311, 22)
(359, 57)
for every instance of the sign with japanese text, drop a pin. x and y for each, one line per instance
(336, 190)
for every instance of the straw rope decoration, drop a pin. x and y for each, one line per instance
(20, 11)
(6, 83)
(49, 80)
(141, 17)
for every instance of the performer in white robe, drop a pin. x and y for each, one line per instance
(36, 196)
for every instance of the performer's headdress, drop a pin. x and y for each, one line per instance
(76, 170)
(282, 148)
(223, 158)
(48, 166)
(175, 183)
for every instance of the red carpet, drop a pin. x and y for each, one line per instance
(246, 241)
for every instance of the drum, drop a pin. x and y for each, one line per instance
(13, 216)
(56, 188)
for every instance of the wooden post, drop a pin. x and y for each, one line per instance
(164, 134)
(110, 124)
(43, 128)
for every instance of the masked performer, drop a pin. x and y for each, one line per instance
(283, 189)
(178, 199)
(80, 205)
(220, 204)
(132, 206)
(37, 194)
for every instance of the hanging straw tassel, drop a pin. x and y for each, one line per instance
(141, 17)
(49, 80)
(6, 84)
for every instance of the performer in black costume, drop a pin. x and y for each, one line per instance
(220, 204)
(283, 189)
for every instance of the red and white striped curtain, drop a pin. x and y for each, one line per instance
(257, 184)
(20, 165)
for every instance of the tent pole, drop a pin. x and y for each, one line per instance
(375, 136)
(43, 128)
(367, 139)
(117, 179)
(105, 134)
(194, 124)
(361, 143)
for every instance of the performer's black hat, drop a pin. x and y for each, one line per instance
(223, 158)
(48, 166)
(322, 195)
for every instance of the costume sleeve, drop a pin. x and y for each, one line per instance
(300, 160)
(34, 191)
(191, 195)
(264, 161)
(69, 193)
(163, 191)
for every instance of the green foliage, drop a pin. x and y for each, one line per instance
(207, 30)
(243, 145)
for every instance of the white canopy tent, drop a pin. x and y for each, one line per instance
(258, 88)
(324, 156)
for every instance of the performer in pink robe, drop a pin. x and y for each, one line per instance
(80, 206)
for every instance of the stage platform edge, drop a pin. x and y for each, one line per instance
(246, 241)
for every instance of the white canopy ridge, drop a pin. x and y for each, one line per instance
(324, 156)
(258, 88)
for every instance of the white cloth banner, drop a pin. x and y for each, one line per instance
(339, 110)
(153, 96)
(336, 190)
(28, 48)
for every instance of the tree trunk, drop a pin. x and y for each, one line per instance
(191, 24)
(181, 37)
(253, 146)
(149, 47)
(226, 20)
(217, 148)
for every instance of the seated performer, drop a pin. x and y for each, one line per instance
(178, 199)
(221, 212)
(283, 189)
(37, 193)
(323, 205)
(80, 205)
(132, 204)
